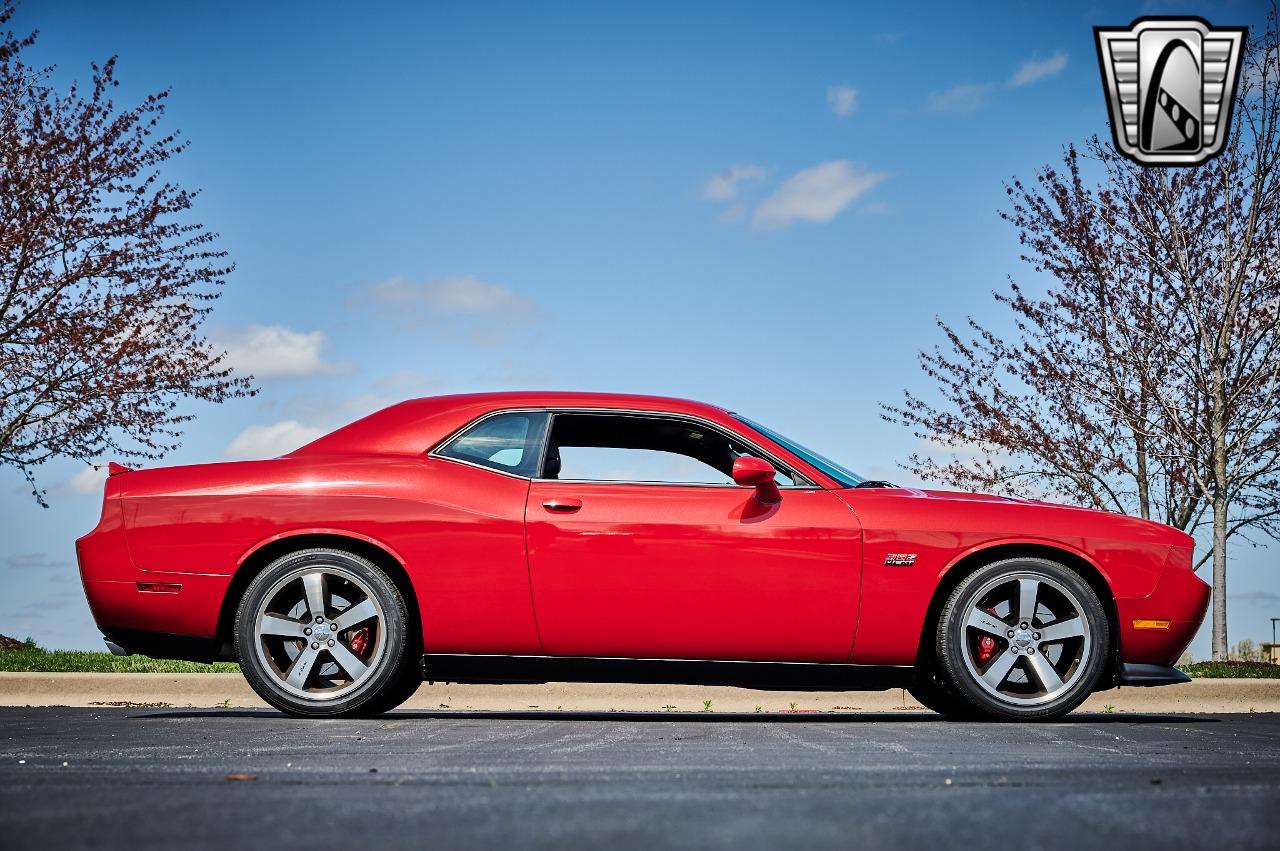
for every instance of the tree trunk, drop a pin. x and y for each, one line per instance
(1218, 442)
(1144, 482)
(1219, 576)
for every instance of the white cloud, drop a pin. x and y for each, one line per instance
(843, 100)
(1259, 598)
(724, 186)
(453, 296)
(270, 441)
(35, 561)
(965, 97)
(88, 480)
(969, 97)
(1034, 70)
(817, 194)
(319, 409)
(272, 351)
(733, 213)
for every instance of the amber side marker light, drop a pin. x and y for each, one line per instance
(159, 587)
(1149, 624)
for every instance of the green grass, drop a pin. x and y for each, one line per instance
(34, 659)
(1235, 670)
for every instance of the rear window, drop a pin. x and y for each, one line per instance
(510, 443)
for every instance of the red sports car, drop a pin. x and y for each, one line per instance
(532, 537)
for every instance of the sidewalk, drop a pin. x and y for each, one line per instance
(207, 690)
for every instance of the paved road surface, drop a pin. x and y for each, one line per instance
(158, 778)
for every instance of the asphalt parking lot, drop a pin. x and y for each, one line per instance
(95, 778)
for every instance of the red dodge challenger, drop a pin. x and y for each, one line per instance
(534, 537)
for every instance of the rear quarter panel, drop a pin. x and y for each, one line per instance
(457, 531)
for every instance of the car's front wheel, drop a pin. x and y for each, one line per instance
(1022, 639)
(323, 632)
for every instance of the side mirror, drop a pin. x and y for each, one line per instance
(757, 473)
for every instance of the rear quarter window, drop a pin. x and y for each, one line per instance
(510, 443)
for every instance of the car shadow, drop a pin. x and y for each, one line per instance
(776, 717)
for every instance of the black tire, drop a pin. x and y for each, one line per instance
(391, 674)
(1082, 660)
(931, 693)
(405, 686)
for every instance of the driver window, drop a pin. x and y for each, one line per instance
(627, 448)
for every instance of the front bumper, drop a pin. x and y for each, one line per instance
(1134, 674)
(1181, 598)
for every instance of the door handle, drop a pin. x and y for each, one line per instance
(562, 504)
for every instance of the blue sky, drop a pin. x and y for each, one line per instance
(763, 206)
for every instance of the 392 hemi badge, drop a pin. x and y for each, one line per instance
(900, 559)
(1170, 85)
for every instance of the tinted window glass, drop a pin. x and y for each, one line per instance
(604, 464)
(507, 442)
(629, 448)
(841, 474)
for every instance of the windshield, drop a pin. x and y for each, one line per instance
(843, 475)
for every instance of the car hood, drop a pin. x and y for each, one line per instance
(1097, 522)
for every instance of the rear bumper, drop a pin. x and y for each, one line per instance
(1134, 674)
(166, 645)
(191, 604)
(130, 601)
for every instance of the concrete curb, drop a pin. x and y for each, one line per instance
(230, 690)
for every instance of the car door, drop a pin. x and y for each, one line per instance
(674, 567)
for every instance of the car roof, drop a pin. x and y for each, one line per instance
(568, 398)
(413, 426)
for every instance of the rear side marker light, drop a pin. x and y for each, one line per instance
(159, 587)
(1150, 624)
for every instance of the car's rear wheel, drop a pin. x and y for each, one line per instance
(933, 693)
(1022, 639)
(323, 632)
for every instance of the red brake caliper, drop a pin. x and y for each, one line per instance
(986, 649)
(987, 644)
(360, 641)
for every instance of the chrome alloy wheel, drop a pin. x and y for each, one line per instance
(1026, 639)
(320, 631)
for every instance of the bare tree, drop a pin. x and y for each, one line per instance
(105, 277)
(1146, 378)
